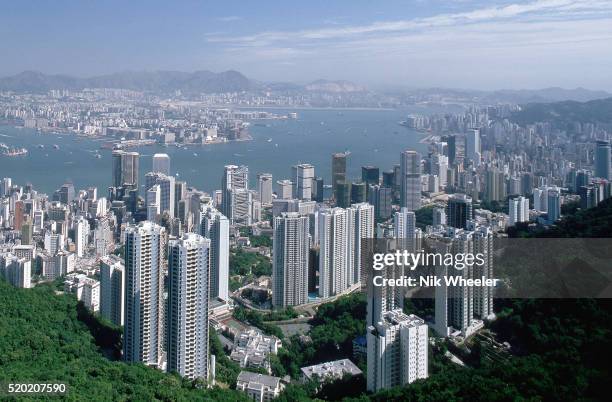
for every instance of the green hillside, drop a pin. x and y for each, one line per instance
(42, 339)
(561, 113)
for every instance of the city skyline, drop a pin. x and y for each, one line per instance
(522, 44)
(248, 201)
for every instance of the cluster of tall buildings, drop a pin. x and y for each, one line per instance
(155, 265)
(153, 255)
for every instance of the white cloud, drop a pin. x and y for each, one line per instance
(539, 39)
(539, 8)
(230, 18)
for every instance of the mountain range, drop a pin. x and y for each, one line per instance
(156, 81)
(233, 81)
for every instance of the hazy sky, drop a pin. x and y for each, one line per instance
(416, 43)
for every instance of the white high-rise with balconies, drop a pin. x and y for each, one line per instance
(362, 216)
(335, 258)
(81, 236)
(518, 210)
(461, 309)
(145, 259)
(405, 230)
(16, 270)
(215, 226)
(112, 289)
(397, 348)
(187, 314)
(290, 260)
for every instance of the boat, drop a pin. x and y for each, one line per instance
(98, 156)
(41, 146)
(195, 154)
(13, 151)
(55, 146)
(269, 140)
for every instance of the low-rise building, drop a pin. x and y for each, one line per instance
(251, 349)
(259, 387)
(330, 370)
(86, 290)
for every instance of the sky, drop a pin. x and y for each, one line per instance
(512, 44)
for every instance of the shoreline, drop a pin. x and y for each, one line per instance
(100, 138)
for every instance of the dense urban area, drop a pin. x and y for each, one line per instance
(162, 291)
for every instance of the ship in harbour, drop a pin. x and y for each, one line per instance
(5, 150)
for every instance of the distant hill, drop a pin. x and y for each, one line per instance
(547, 95)
(595, 111)
(155, 81)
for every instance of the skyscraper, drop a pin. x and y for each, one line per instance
(187, 314)
(343, 194)
(388, 178)
(235, 178)
(459, 210)
(381, 197)
(153, 202)
(404, 224)
(81, 235)
(540, 199)
(335, 259)
(290, 260)
(362, 229)
(112, 288)
(125, 169)
(472, 146)
(5, 186)
(166, 191)
(397, 344)
(16, 270)
(241, 207)
(161, 164)
(180, 193)
(215, 226)
(285, 189)
(302, 176)
(589, 196)
(410, 180)
(264, 188)
(518, 210)
(338, 169)
(397, 351)
(602, 160)
(144, 289)
(317, 189)
(370, 175)
(554, 206)
(358, 192)
(460, 307)
(439, 167)
(495, 189)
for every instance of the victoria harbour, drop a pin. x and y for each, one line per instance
(371, 137)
